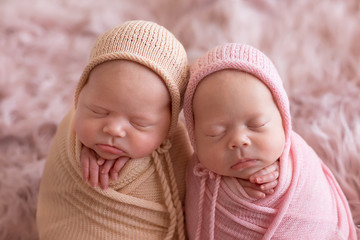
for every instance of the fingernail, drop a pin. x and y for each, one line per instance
(258, 179)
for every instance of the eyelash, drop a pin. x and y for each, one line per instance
(258, 125)
(212, 136)
(140, 125)
(99, 113)
(216, 135)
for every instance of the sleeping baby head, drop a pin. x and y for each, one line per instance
(129, 95)
(236, 111)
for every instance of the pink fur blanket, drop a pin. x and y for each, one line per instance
(44, 46)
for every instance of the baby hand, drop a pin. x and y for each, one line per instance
(110, 169)
(262, 182)
(89, 166)
(96, 170)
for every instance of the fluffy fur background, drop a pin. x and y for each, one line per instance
(45, 44)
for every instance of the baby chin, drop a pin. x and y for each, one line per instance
(109, 152)
(245, 168)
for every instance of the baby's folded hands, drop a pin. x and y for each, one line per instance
(263, 182)
(99, 171)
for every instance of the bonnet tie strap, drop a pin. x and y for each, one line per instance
(172, 199)
(205, 174)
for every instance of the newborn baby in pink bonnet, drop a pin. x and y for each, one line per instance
(238, 119)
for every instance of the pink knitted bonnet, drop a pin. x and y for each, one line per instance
(240, 57)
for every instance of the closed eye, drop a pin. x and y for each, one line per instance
(99, 113)
(215, 134)
(211, 135)
(141, 124)
(258, 125)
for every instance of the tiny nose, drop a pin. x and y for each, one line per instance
(239, 139)
(115, 129)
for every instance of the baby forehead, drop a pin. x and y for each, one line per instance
(231, 80)
(123, 65)
(231, 73)
(125, 70)
(231, 90)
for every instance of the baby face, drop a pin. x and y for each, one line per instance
(238, 128)
(123, 110)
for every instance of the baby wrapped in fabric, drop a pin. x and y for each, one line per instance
(126, 104)
(238, 119)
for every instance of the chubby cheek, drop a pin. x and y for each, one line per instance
(272, 148)
(143, 145)
(211, 156)
(84, 132)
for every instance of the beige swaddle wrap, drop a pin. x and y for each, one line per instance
(146, 200)
(134, 207)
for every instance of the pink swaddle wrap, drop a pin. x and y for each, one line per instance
(308, 202)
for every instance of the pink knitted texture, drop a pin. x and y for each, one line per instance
(308, 202)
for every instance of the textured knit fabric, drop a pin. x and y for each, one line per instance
(308, 202)
(133, 207)
(147, 200)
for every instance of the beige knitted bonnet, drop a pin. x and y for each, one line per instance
(148, 44)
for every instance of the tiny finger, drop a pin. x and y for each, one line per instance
(104, 181)
(254, 193)
(105, 169)
(269, 177)
(84, 161)
(119, 163)
(268, 186)
(100, 161)
(114, 175)
(85, 168)
(270, 191)
(94, 173)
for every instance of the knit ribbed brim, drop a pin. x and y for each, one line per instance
(149, 44)
(240, 57)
